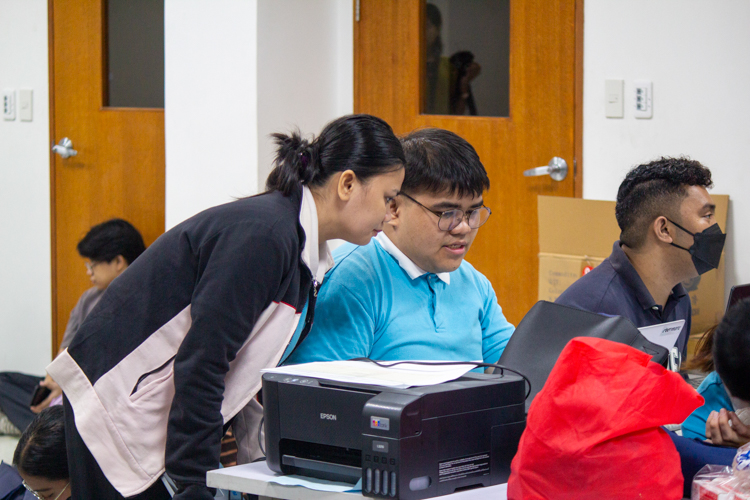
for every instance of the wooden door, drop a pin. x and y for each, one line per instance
(545, 81)
(119, 168)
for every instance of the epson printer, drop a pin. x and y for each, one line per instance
(411, 443)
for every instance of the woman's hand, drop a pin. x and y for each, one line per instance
(55, 389)
(724, 428)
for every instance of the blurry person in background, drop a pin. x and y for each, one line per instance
(448, 79)
(108, 249)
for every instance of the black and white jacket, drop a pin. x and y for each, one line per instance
(174, 347)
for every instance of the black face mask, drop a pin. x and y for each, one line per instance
(706, 248)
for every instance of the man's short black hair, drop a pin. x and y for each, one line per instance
(439, 161)
(109, 239)
(732, 350)
(652, 190)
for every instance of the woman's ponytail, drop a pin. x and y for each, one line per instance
(294, 163)
(361, 143)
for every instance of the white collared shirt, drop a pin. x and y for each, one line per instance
(408, 265)
(317, 255)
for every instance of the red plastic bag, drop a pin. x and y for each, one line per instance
(593, 432)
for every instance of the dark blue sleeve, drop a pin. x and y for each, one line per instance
(11, 487)
(695, 454)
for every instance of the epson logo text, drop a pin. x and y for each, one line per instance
(327, 416)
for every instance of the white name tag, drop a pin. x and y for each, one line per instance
(664, 334)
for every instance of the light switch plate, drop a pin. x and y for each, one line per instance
(9, 104)
(643, 104)
(613, 98)
(25, 105)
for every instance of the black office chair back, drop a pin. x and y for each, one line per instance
(546, 329)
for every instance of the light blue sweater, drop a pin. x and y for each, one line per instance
(370, 306)
(712, 390)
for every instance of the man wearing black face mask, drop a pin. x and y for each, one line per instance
(707, 247)
(668, 236)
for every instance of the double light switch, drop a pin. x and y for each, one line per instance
(614, 101)
(21, 106)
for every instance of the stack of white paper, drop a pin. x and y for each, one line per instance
(400, 376)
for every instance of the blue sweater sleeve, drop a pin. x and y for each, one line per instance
(496, 330)
(712, 390)
(344, 325)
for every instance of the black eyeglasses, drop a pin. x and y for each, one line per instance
(450, 219)
(91, 265)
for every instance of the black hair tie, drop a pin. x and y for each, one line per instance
(306, 173)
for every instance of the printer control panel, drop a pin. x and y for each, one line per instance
(289, 379)
(380, 468)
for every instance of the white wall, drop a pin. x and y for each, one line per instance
(697, 53)
(212, 126)
(211, 114)
(236, 71)
(305, 69)
(25, 279)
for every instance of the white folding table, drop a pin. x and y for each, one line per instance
(257, 479)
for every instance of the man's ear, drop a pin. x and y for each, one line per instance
(661, 229)
(345, 185)
(121, 263)
(397, 205)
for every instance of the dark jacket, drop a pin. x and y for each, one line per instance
(11, 485)
(614, 288)
(174, 347)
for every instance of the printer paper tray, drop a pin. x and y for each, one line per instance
(325, 470)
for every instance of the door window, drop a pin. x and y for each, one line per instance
(134, 55)
(466, 53)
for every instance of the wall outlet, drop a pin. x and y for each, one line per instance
(9, 104)
(643, 99)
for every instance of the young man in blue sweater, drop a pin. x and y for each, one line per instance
(409, 294)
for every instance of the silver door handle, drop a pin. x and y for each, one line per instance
(65, 148)
(557, 169)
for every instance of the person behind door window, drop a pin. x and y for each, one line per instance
(448, 79)
(668, 235)
(409, 294)
(174, 349)
(109, 248)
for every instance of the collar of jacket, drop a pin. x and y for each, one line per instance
(315, 254)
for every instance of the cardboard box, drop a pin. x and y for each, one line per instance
(576, 234)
